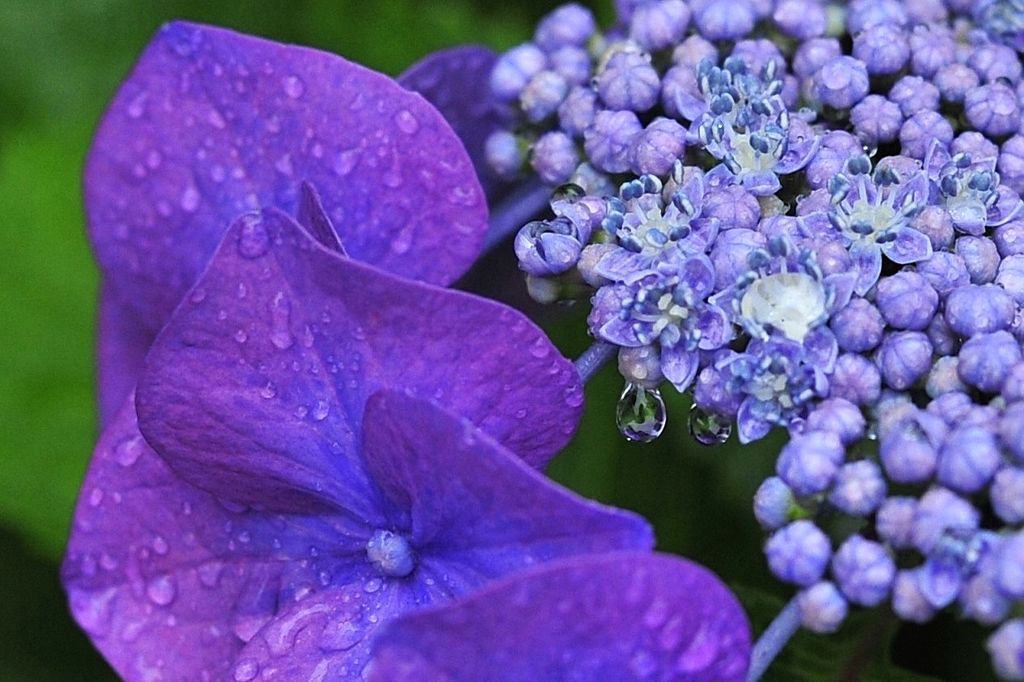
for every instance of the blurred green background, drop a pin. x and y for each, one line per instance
(59, 64)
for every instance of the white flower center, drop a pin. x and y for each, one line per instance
(791, 302)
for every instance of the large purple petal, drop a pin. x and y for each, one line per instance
(457, 82)
(605, 617)
(679, 366)
(474, 504)
(213, 123)
(256, 387)
(867, 263)
(121, 345)
(165, 579)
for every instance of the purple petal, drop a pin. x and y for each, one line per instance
(762, 183)
(213, 123)
(473, 503)
(316, 221)
(610, 617)
(914, 189)
(679, 366)
(457, 82)
(256, 387)
(842, 285)
(621, 265)
(750, 427)
(940, 582)
(162, 576)
(801, 149)
(867, 263)
(910, 246)
(121, 347)
(1007, 207)
(822, 349)
(715, 327)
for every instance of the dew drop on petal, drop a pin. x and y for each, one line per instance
(707, 428)
(640, 413)
(190, 198)
(161, 590)
(406, 122)
(293, 86)
(253, 240)
(280, 320)
(246, 670)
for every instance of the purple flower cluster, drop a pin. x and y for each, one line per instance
(325, 465)
(825, 241)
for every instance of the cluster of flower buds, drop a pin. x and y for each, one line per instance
(806, 215)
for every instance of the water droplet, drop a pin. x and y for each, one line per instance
(253, 240)
(209, 573)
(160, 545)
(341, 634)
(161, 590)
(345, 161)
(128, 451)
(640, 413)
(268, 391)
(137, 107)
(190, 198)
(241, 336)
(246, 670)
(372, 585)
(293, 86)
(320, 410)
(406, 122)
(280, 319)
(95, 497)
(707, 428)
(563, 195)
(198, 295)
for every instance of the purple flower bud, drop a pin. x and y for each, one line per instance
(993, 62)
(570, 24)
(798, 553)
(858, 326)
(609, 142)
(904, 358)
(577, 111)
(981, 600)
(1011, 163)
(1013, 387)
(908, 601)
(1009, 238)
(658, 147)
(801, 19)
(1011, 277)
(932, 47)
(907, 454)
(1011, 430)
(914, 94)
(1010, 566)
(968, 459)
(921, 130)
(980, 256)
(548, 247)
(503, 153)
(944, 340)
(944, 377)
(953, 82)
(875, 119)
(772, 503)
(660, 24)
(841, 82)
(938, 511)
(731, 252)
(864, 571)
(883, 49)
(863, 14)
(1006, 647)
(573, 64)
(944, 272)
(906, 300)
(554, 157)
(680, 93)
(725, 19)
(951, 408)
(809, 461)
(992, 109)
(935, 223)
(978, 309)
(823, 608)
(733, 206)
(856, 379)
(757, 54)
(629, 82)
(839, 416)
(814, 54)
(975, 145)
(514, 69)
(693, 51)
(986, 359)
(859, 488)
(894, 521)
(1007, 494)
(926, 11)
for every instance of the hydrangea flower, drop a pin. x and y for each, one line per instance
(289, 483)
(612, 617)
(211, 124)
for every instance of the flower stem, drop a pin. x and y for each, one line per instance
(773, 639)
(593, 359)
(516, 209)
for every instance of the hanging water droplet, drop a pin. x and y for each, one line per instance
(640, 413)
(707, 428)
(566, 194)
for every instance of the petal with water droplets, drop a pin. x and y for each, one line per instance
(614, 616)
(212, 123)
(238, 415)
